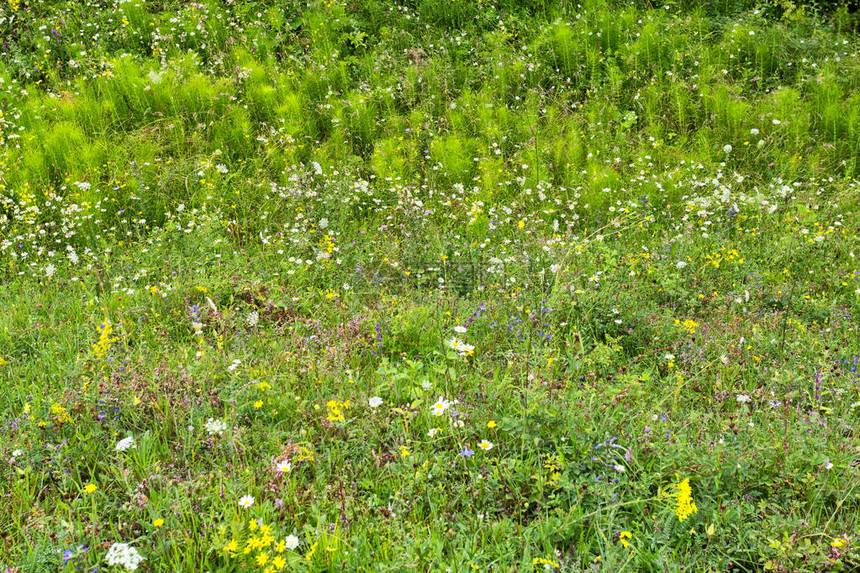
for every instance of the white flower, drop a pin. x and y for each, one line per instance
(253, 318)
(246, 501)
(375, 402)
(221, 168)
(17, 453)
(753, 131)
(776, 122)
(291, 541)
(486, 445)
(323, 223)
(50, 270)
(440, 406)
(432, 432)
(619, 468)
(727, 148)
(743, 398)
(724, 359)
(317, 169)
(234, 365)
(460, 329)
(680, 264)
(284, 466)
(73, 257)
(426, 385)
(214, 426)
(828, 464)
(124, 555)
(125, 444)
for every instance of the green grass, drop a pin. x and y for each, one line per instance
(248, 235)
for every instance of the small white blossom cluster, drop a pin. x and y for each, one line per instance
(214, 426)
(125, 444)
(124, 555)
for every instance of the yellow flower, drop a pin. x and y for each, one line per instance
(491, 424)
(280, 546)
(623, 537)
(232, 547)
(2, 361)
(404, 451)
(262, 559)
(90, 488)
(158, 522)
(252, 525)
(685, 505)
(838, 542)
(279, 562)
(258, 404)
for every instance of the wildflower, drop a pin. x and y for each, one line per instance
(684, 497)
(258, 404)
(440, 406)
(619, 468)
(234, 365)
(547, 563)
(253, 318)
(284, 467)
(491, 424)
(485, 445)
(125, 444)
(291, 542)
(214, 426)
(124, 555)
(839, 542)
(50, 270)
(828, 464)
(467, 452)
(727, 148)
(743, 398)
(158, 522)
(279, 562)
(623, 538)
(432, 432)
(335, 410)
(246, 501)
(680, 264)
(261, 559)
(375, 402)
(460, 329)
(404, 451)
(90, 488)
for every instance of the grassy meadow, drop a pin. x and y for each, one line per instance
(429, 285)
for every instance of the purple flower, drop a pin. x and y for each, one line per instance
(467, 452)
